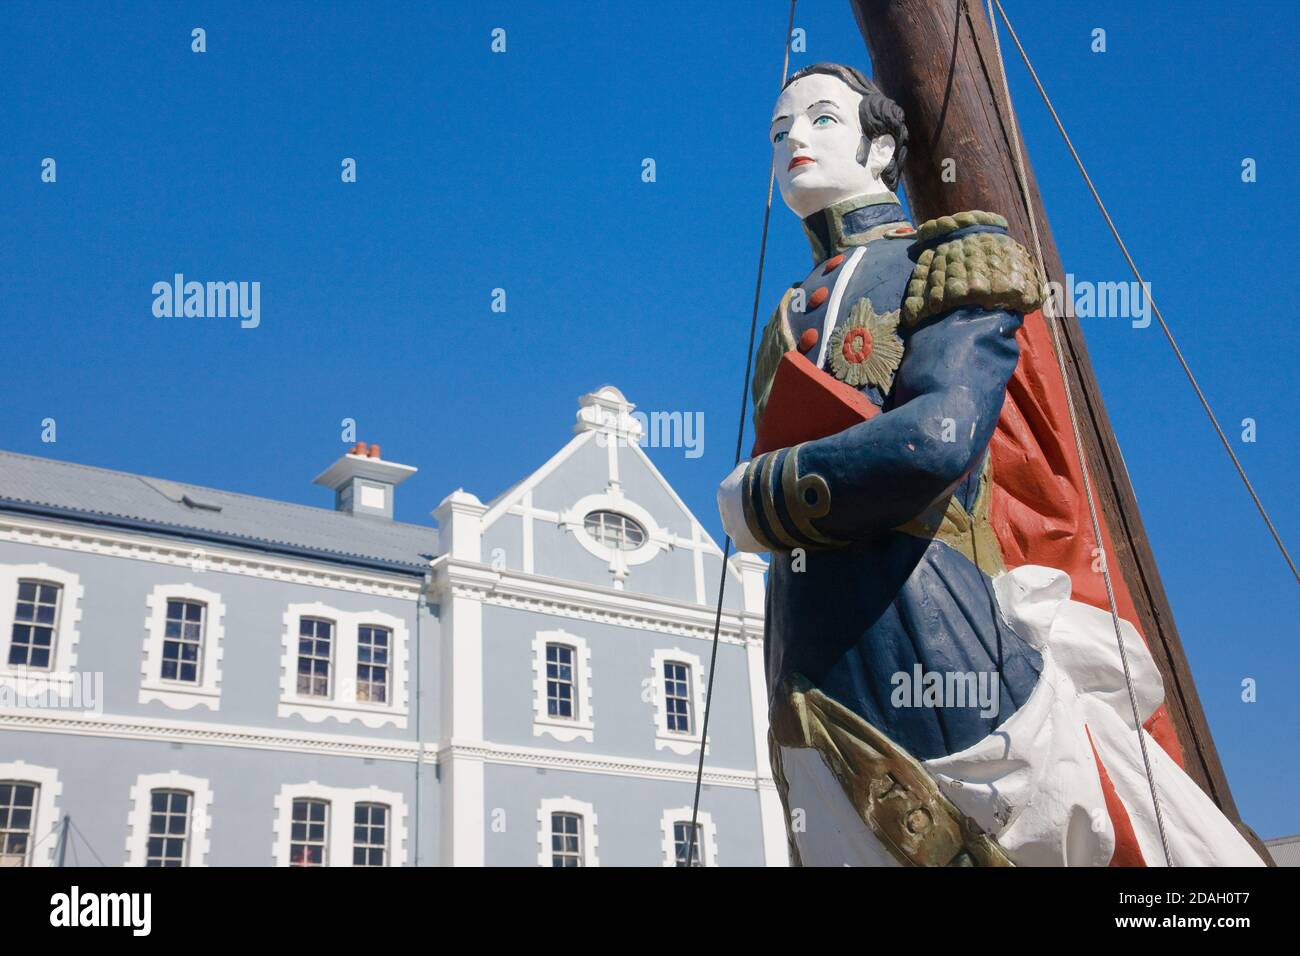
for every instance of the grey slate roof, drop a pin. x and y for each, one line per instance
(1285, 850)
(99, 496)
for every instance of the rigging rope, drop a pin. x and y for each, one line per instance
(37, 845)
(1146, 292)
(740, 441)
(1053, 323)
(89, 845)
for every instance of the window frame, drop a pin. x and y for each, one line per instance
(708, 842)
(198, 839)
(566, 656)
(170, 793)
(342, 703)
(618, 541)
(7, 808)
(683, 845)
(566, 805)
(309, 842)
(33, 624)
(677, 741)
(182, 640)
(178, 694)
(370, 847)
(678, 672)
(45, 820)
(59, 677)
(565, 729)
(572, 827)
(387, 665)
(331, 641)
(620, 563)
(339, 833)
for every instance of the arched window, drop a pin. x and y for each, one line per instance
(615, 530)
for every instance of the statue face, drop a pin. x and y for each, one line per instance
(821, 153)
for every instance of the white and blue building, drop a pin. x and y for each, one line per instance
(200, 678)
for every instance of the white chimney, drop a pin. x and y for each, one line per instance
(363, 482)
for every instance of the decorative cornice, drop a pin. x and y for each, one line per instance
(590, 602)
(206, 557)
(603, 764)
(339, 745)
(195, 732)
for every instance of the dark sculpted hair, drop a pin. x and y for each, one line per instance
(878, 114)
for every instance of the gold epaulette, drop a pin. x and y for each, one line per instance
(988, 270)
(776, 341)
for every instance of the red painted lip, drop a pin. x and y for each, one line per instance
(799, 161)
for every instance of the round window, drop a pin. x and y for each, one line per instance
(615, 530)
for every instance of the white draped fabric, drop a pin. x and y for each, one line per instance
(1033, 783)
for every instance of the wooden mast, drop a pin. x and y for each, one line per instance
(937, 60)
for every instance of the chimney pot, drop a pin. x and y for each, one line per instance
(358, 449)
(374, 451)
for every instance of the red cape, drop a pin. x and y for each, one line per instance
(1038, 506)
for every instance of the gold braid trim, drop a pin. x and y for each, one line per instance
(969, 533)
(985, 269)
(777, 340)
(891, 791)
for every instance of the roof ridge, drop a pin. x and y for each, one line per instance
(315, 509)
(197, 530)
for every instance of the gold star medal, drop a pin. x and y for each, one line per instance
(866, 349)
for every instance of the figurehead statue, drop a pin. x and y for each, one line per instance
(928, 705)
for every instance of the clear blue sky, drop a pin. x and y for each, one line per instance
(522, 171)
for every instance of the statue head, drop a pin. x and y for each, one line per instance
(835, 136)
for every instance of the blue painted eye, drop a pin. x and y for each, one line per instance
(778, 137)
(823, 120)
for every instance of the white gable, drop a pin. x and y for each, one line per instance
(539, 525)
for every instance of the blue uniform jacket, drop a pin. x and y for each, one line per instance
(858, 616)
